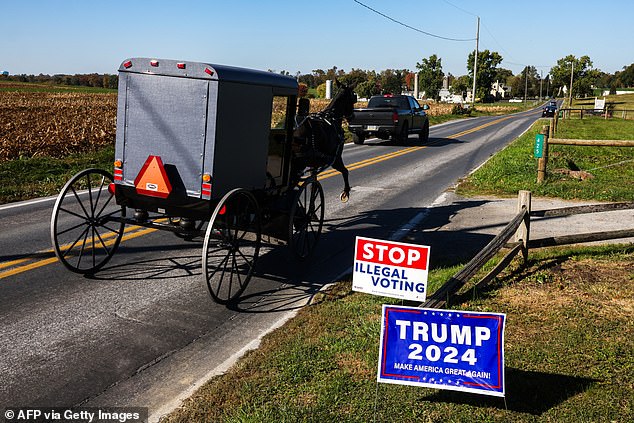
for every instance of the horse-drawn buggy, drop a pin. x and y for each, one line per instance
(207, 151)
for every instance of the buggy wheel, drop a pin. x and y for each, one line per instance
(86, 224)
(232, 245)
(306, 219)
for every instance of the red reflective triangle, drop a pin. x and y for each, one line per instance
(152, 179)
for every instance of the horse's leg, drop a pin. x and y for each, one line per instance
(339, 166)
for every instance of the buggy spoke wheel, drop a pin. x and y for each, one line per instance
(86, 224)
(306, 219)
(231, 246)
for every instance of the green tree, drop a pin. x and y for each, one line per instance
(503, 75)
(625, 78)
(460, 85)
(321, 90)
(487, 71)
(369, 87)
(430, 76)
(354, 77)
(584, 77)
(392, 81)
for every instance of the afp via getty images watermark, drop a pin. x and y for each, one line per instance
(76, 414)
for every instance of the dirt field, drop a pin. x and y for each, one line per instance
(55, 124)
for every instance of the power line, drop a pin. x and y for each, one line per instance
(495, 40)
(460, 8)
(507, 53)
(411, 27)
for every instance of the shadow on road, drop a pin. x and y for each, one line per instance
(413, 142)
(282, 283)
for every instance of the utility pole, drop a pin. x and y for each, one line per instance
(572, 70)
(526, 83)
(541, 80)
(475, 63)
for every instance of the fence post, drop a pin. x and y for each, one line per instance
(541, 163)
(551, 132)
(523, 232)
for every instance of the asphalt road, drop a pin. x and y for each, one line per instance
(144, 331)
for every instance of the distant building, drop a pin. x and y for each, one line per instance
(618, 92)
(447, 97)
(500, 90)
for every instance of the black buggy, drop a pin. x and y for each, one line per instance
(201, 150)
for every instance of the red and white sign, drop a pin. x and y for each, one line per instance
(390, 269)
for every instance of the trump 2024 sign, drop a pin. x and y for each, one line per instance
(391, 269)
(443, 349)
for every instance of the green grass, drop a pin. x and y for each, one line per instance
(321, 366)
(44, 176)
(515, 168)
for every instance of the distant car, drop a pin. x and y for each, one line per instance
(549, 110)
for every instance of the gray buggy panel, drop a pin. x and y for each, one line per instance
(200, 119)
(167, 117)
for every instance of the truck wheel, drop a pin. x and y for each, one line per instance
(358, 138)
(423, 136)
(402, 136)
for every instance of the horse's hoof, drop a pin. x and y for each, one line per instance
(344, 197)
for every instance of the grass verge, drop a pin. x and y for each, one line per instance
(569, 338)
(515, 167)
(24, 179)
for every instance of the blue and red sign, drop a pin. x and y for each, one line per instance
(443, 349)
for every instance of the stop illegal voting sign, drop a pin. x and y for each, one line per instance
(390, 269)
(443, 349)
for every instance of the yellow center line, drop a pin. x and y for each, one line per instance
(105, 236)
(373, 160)
(324, 175)
(357, 165)
(13, 262)
(53, 259)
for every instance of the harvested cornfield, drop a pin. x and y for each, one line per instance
(50, 124)
(495, 109)
(36, 124)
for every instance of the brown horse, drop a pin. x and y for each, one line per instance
(319, 138)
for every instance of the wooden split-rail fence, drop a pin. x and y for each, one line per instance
(519, 229)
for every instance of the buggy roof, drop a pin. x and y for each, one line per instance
(281, 84)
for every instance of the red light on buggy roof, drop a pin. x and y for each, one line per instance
(180, 65)
(154, 63)
(209, 72)
(127, 64)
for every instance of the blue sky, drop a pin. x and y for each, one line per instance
(85, 36)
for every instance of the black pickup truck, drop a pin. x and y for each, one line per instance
(394, 116)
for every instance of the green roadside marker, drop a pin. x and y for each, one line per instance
(539, 146)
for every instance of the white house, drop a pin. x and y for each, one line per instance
(446, 96)
(500, 90)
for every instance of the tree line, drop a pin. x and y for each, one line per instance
(529, 81)
(81, 80)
